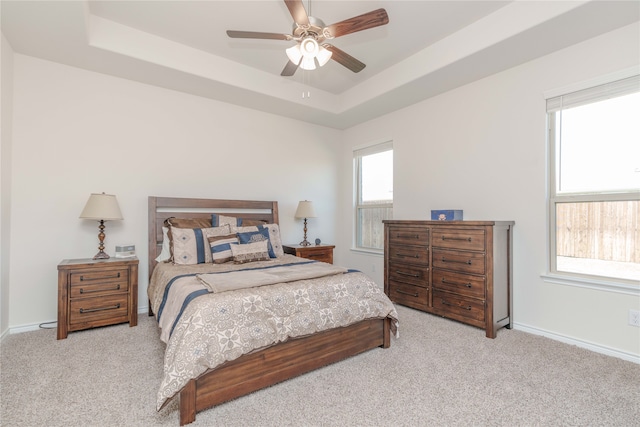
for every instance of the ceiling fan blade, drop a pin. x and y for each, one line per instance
(343, 58)
(297, 11)
(358, 23)
(257, 35)
(289, 69)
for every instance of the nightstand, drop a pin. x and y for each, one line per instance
(94, 293)
(322, 253)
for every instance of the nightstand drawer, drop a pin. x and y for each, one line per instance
(87, 277)
(97, 283)
(319, 255)
(111, 309)
(322, 253)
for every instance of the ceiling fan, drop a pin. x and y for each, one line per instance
(311, 34)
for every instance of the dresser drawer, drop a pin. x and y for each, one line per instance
(463, 284)
(409, 295)
(409, 254)
(453, 306)
(415, 236)
(472, 240)
(98, 282)
(110, 309)
(464, 262)
(411, 274)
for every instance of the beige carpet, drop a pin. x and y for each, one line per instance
(438, 372)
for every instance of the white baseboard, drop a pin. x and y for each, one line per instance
(35, 326)
(635, 358)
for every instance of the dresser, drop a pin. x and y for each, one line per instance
(322, 253)
(94, 293)
(461, 270)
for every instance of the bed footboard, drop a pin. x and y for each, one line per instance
(275, 364)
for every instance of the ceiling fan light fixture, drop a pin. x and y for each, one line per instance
(294, 54)
(324, 55)
(309, 47)
(308, 63)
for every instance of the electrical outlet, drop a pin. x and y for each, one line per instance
(634, 317)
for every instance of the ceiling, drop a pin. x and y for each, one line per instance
(427, 48)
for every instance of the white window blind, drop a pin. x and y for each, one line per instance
(613, 89)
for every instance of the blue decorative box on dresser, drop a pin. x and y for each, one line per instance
(446, 215)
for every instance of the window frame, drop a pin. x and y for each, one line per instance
(358, 154)
(609, 283)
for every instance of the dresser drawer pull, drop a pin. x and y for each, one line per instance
(402, 273)
(83, 291)
(416, 256)
(449, 304)
(82, 279)
(400, 291)
(468, 262)
(407, 236)
(464, 239)
(91, 310)
(468, 285)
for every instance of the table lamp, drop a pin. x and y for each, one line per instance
(101, 207)
(305, 210)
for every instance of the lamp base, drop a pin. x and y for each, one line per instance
(101, 255)
(305, 243)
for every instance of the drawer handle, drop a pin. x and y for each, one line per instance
(416, 256)
(468, 307)
(464, 239)
(408, 236)
(83, 291)
(468, 285)
(82, 279)
(91, 310)
(402, 273)
(468, 262)
(400, 291)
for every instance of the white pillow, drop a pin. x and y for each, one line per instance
(165, 254)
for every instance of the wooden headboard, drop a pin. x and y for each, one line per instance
(161, 208)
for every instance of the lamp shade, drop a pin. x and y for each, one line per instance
(101, 207)
(305, 210)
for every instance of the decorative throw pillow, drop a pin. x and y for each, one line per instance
(250, 252)
(256, 236)
(221, 248)
(274, 236)
(191, 245)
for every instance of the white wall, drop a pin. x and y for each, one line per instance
(6, 109)
(481, 148)
(78, 132)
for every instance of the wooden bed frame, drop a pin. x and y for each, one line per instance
(274, 364)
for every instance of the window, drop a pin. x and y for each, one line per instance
(374, 194)
(594, 181)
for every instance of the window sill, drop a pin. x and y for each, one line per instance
(368, 251)
(628, 288)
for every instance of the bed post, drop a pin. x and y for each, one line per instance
(188, 403)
